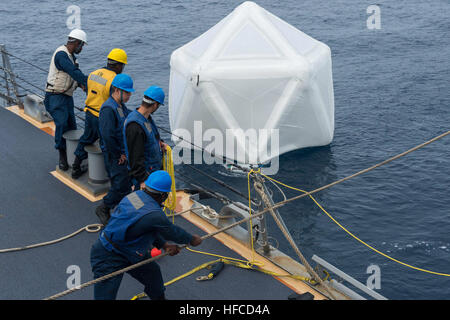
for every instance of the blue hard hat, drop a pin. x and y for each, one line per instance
(124, 82)
(155, 93)
(160, 181)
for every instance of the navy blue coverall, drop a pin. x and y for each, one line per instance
(90, 134)
(111, 119)
(61, 106)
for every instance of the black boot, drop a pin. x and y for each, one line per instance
(103, 214)
(63, 165)
(161, 297)
(76, 168)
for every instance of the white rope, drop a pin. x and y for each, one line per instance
(91, 228)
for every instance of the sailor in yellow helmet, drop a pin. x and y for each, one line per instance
(98, 91)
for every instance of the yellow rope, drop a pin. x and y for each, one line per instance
(234, 262)
(218, 256)
(354, 236)
(249, 265)
(200, 267)
(171, 202)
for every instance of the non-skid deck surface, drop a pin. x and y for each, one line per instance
(36, 207)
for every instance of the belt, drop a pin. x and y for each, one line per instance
(118, 248)
(111, 242)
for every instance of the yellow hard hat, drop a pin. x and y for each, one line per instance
(118, 55)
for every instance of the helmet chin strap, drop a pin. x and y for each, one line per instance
(159, 197)
(79, 47)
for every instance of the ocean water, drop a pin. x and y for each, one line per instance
(391, 90)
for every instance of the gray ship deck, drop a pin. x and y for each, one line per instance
(36, 207)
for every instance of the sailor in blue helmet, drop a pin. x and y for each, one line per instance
(113, 113)
(136, 225)
(143, 144)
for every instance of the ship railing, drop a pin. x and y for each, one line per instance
(14, 87)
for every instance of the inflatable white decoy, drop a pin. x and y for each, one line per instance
(254, 71)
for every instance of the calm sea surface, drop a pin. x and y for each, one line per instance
(391, 93)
